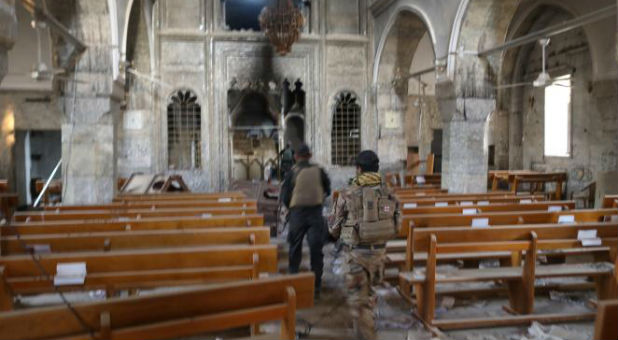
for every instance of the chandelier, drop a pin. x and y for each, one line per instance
(281, 24)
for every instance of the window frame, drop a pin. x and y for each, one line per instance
(195, 128)
(345, 98)
(569, 132)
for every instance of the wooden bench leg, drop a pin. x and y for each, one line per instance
(427, 291)
(6, 300)
(105, 326)
(606, 287)
(288, 324)
(521, 292)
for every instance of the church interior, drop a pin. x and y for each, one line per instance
(144, 144)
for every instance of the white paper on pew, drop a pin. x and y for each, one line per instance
(441, 204)
(420, 179)
(40, 248)
(566, 219)
(554, 208)
(592, 242)
(483, 203)
(409, 205)
(420, 194)
(225, 200)
(480, 223)
(525, 201)
(466, 203)
(206, 215)
(73, 273)
(613, 218)
(470, 211)
(586, 234)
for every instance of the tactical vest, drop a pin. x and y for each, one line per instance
(308, 190)
(371, 217)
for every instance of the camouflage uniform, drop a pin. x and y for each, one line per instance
(363, 264)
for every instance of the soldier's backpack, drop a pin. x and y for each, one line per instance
(372, 214)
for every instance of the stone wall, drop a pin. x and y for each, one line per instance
(8, 32)
(193, 50)
(91, 112)
(594, 119)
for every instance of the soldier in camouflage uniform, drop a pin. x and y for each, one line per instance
(364, 230)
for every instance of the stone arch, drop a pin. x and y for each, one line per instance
(389, 26)
(511, 102)
(399, 121)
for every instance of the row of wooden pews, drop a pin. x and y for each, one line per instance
(517, 230)
(213, 248)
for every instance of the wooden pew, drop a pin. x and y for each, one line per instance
(123, 240)
(121, 206)
(129, 214)
(181, 196)
(428, 190)
(610, 201)
(519, 279)
(605, 230)
(170, 315)
(453, 209)
(8, 204)
(497, 176)
(143, 268)
(538, 181)
(61, 227)
(500, 218)
(54, 188)
(431, 201)
(412, 180)
(402, 195)
(605, 325)
(4, 186)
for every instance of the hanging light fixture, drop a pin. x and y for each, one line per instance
(282, 24)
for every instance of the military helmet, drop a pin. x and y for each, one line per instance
(368, 161)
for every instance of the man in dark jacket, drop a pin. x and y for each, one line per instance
(303, 193)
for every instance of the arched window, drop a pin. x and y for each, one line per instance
(345, 136)
(184, 131)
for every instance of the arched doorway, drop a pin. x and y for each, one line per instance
(408, 111)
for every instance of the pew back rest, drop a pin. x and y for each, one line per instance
(172, 314)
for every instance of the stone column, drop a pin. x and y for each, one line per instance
(465, 145)
(88, 129)
(8, 32)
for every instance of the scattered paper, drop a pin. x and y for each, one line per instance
(441, 204)
(225, 200)
(613, 218)
(586, 234)
(420, 179)
(466, 203)
(206, 215)
(409, 205)
(40, 248)
(483, 203)
(566, 219)
(525, 201)
(70, 274)
(470, 211)
(554, 208)
(592, 242)
(420, 194)
(480, 223)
